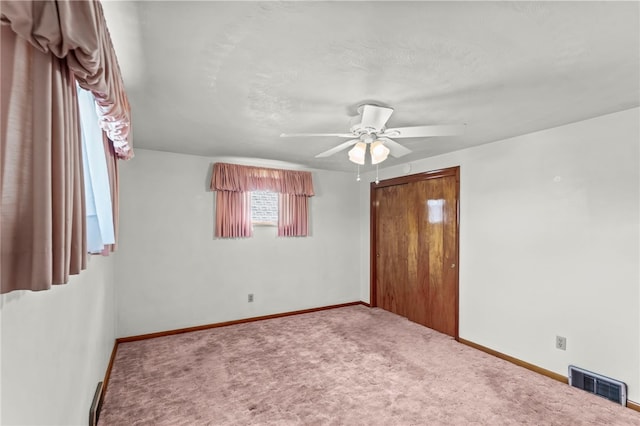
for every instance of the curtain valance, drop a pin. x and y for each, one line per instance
(76, 31)
(238, 178)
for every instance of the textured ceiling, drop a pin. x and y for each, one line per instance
(227, 78)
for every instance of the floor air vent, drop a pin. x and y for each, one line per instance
(96, 405)
(605, 387)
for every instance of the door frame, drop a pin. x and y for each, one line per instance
(373, 222)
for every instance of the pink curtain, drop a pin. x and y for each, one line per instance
(234, 177)
(293, 215)
(233, 212)
(46, 47)
(43, 218)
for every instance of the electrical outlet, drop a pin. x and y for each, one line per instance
(561, 343)
(250, 297)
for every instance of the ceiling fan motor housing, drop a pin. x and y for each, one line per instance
(360, 128)
(368, 137)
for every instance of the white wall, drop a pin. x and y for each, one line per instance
(549, 245)
(172, 272)
(56, 346)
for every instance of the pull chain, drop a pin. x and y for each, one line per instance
(377, 180)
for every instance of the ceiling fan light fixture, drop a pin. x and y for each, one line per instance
(379, 152)
(357, 153)
(370, 128)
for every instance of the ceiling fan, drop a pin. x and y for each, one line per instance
(369, 129)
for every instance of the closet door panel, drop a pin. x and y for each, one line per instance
(415, 248)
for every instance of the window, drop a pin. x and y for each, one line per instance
(99, 210)
(234, 185)
(264, 208)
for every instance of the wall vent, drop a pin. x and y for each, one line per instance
(597, 384)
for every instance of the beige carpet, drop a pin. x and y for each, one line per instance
(346, 366)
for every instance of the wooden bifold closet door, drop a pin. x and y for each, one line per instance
(414, 257)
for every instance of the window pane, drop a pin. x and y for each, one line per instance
(99, 211)
(264, 208)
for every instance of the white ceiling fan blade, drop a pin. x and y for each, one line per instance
(338, 148)
(425, 131)
(374, 116)
(396, 149)
(297, 135)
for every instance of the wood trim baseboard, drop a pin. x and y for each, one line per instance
(633, 405)
(234, 322)
(107, 374)
(516, 361)
(559, 377)
(105, 381)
